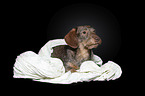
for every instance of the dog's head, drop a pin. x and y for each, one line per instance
(83, 35)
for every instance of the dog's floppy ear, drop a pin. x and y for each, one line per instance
(71, 38)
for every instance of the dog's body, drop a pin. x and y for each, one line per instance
(80, 41)
(72, 58)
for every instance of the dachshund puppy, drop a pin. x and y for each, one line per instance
(80, 41)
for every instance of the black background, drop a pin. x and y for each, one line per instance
(102, 19)
(31, 24)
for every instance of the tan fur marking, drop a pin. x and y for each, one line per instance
(72, 65)
(82, 53)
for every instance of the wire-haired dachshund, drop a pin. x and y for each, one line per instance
(80, 41)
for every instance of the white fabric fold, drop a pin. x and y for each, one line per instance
(42, 67)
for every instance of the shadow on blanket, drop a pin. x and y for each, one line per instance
(42, 67)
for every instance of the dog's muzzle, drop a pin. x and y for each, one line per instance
(98, 40)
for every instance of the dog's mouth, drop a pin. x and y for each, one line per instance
(92, 46)
(92, 43)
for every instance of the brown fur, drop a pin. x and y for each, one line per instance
(80, 41)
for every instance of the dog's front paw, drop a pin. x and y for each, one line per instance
(71, 67)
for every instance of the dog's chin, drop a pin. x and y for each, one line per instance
(92, 46)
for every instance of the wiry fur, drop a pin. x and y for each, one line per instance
(80, 41)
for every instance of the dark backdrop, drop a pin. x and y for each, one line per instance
(102, 19)
(31, 25)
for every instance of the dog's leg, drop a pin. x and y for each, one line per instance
(71, 62)
(71, 66)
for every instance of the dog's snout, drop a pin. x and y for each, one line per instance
(98, 39)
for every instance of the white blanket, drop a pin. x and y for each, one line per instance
(42, 67)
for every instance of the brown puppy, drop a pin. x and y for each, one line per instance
(80, 41)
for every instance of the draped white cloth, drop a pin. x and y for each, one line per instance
(43, 68)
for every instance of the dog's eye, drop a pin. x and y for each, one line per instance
(84, 32)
